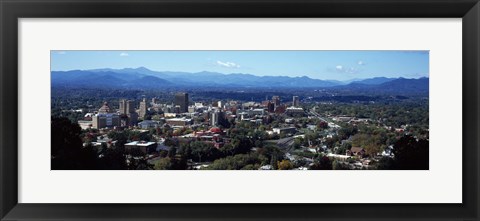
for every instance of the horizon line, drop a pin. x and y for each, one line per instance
(149, 69)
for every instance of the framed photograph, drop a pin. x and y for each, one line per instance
(227, 110)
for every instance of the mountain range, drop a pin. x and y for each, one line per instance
(143, 78)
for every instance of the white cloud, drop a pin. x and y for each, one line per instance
(123, 54)
(347, 70)
(61, 52)
(227, 64)
(361, 63)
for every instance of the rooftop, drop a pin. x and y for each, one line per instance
(140, 143)
(178, 119)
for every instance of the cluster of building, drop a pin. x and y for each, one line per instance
(127, 115)
(200, 121)
(181, 114)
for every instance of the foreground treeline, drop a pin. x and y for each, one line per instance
(69, 153)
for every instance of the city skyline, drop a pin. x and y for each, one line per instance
(324, 65)
(250, 110)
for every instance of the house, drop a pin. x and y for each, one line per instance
(356, 151)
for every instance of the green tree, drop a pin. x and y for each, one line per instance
(163, 164)
(202, 152)
(237, 162)
(274, 162)
(140, 164)
(338, 165)
(386, 163)
(347, 131)
(285, 165)
(343, 148)
(67, 151)
(172, 152)
(323, 163)
(411, 154)
(322, 125)
(297, 143)
(113, 159)
(171, 142)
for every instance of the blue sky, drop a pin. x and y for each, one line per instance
(325, 65)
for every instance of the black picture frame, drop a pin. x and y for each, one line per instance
(12, 10)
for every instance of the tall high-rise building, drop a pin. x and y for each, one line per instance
(276, 101)
(123, 106)
(130, 107)
(132, 118)
(217, 118)
(214, 119)
(143, 108)
(127, 108)
(296, 101)
(270, 107)
(181, 99)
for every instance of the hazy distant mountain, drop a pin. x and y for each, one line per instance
(335, 82)
(374, 81)
(143, 78)
(136, 77)
(420, 85)
(149, 82)
(393, 86)
(106, 79)
(237, 79)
